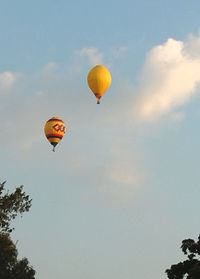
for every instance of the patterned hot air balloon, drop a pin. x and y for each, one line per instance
(54, 130)
(99, 80)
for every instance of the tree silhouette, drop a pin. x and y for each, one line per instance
(10, 266)
(12, 205)
(190, 268)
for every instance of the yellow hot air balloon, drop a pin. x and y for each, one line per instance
(54, 130)
(99, 80)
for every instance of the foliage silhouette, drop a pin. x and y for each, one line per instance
(190, 268)
(10, 266)
(10, 206)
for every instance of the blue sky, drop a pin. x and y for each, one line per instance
(122, 190)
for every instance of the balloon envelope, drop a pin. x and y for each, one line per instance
(54, 130)
(99, 80)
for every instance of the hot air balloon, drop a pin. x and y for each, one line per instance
(99, 80)
(54, 130)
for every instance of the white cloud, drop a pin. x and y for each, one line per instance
(124, 179)
(7, 79)
(169, 78)
(119, 189)
(123, 173)
(123, 176)
(50, 67)
(93, 54)
(116, 183)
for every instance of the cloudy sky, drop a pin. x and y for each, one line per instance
(122, 190)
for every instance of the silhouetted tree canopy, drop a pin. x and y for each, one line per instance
(10, 266)
(11, 205)
(190, 268)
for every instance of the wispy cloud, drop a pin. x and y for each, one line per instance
(7, 79)
(124, 179)
(119, 52)
(49, 68)
(116, 183)
(177, 116)
(94, 56)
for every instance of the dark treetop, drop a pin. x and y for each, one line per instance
(190, 268)
(12, 205)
